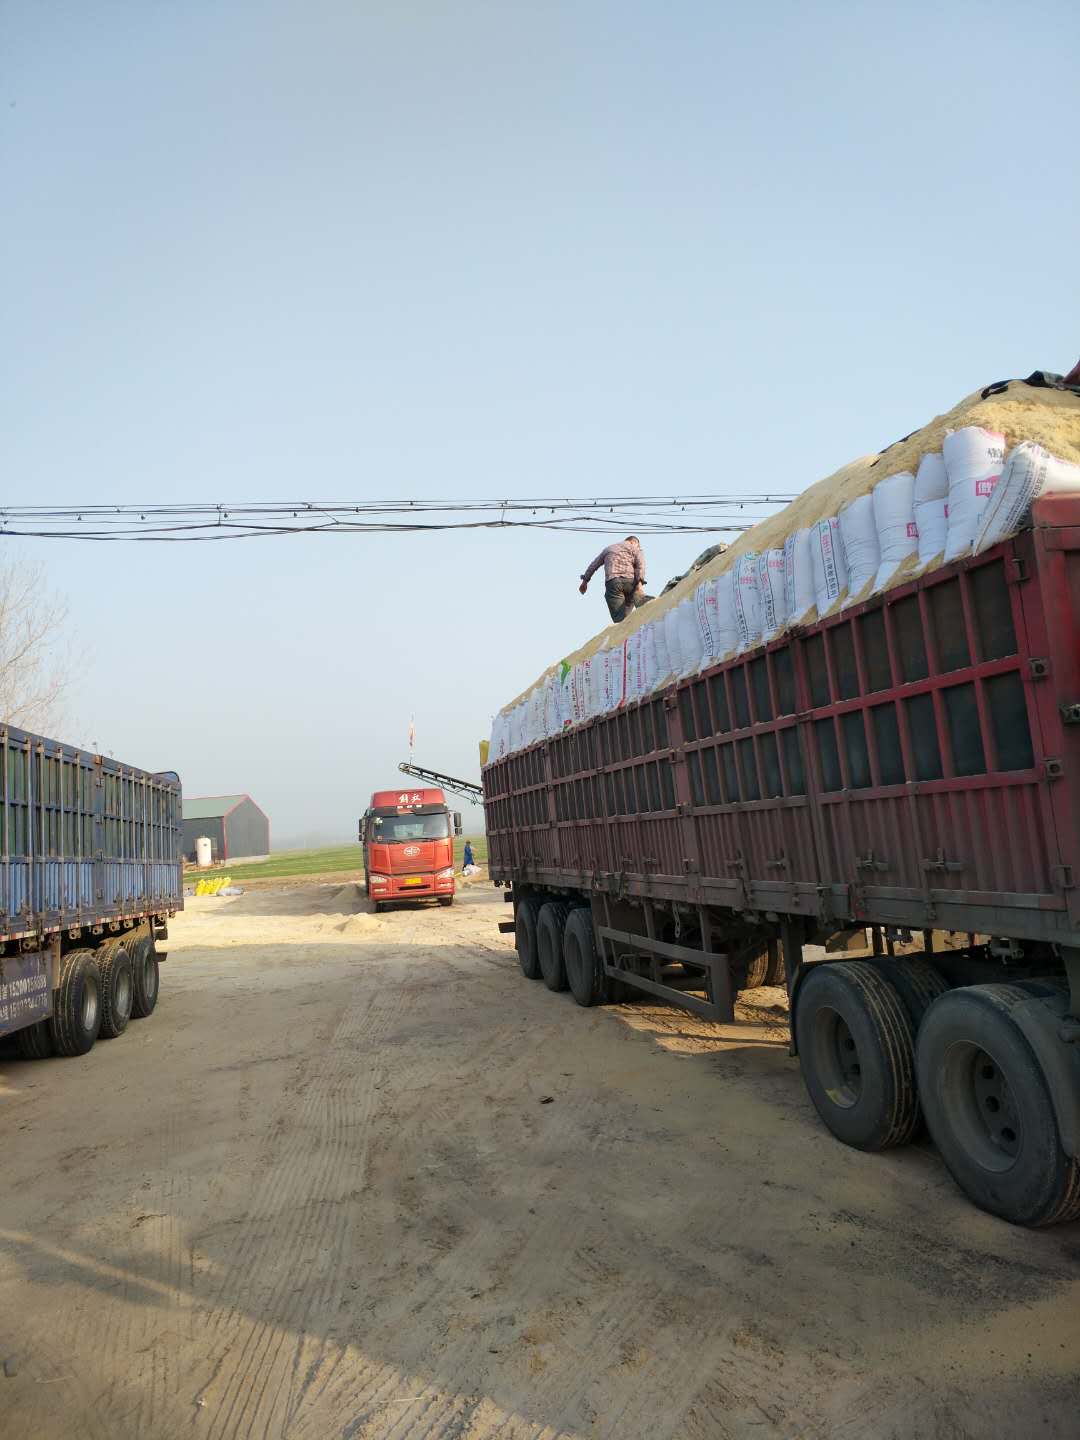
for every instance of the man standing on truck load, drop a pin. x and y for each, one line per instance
(624, 576)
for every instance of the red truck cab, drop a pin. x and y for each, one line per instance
(408, 839)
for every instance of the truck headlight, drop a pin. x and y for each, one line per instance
(447, 874)
(379, 880)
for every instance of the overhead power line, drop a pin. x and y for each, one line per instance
(245, 520)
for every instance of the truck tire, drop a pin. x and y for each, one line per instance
(581, 958)
(856, 1048)
(76, 1020)
(117, 987)
(777, 973)
(525, 937)
(989, 1111)
(34, 1042)
(144, 974)
(549, 943)
(757, 967)
(446, 899)
(916, 982)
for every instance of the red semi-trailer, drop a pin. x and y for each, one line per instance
(408, 840)
(911, 765)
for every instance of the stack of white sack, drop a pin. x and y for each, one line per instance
(957, 487)
(1030, 472)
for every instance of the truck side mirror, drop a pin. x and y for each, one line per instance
(457, 822)
(360, 829)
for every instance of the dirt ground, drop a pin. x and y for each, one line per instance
(358, 1178)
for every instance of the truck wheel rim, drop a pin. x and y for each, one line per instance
(89, 1004)
(836, 1059)
(984, 1111)
(123, 993)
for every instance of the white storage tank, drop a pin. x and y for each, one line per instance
(203, 855)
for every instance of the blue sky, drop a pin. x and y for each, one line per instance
(285, 250)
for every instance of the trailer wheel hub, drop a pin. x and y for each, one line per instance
(985, 1111)
(837, 1058)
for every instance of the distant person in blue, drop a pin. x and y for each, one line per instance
(468, 855)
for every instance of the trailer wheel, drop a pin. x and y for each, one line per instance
(525, 938)
(549, 943)
(856, 1048)
(777, 974)
(584, 967)
(144, 974)
(76, 1020)
(757, 967)
(34, 1042)
(989, 1111)
(117, 988)
(916, 981)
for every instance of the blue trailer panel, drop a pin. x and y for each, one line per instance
(89, 848)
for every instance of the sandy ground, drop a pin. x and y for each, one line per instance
(357, 1178)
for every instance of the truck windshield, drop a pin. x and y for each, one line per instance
(391, 829)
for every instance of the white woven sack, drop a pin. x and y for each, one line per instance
(647, 663)
(671, 639)
(565, 697)
(1030, 471)
(641, 664)
(830, 566)
(660, 650)
(547, 700)
(615, 675)
(931, 507)
(536, 715)
(894, 520)
(974, 460)
(497, 747)
(747, 598)
(861, 549)
(727, 621)
(705, 610)
(594, 668)
(773, 592)
(632, 645)
(798, 576)
(579, 698)
(931, 479)
(689, 638)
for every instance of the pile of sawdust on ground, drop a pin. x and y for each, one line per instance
(291, 914)
(1050, 418)
(297, 882)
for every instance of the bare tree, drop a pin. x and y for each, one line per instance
(31, 667)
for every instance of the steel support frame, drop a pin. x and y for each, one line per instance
(717, 979)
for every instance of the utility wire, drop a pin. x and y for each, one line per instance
(245, 520)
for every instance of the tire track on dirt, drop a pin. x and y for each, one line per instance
(298, 1200)
(312, 1357)
(423, 1308)
(539, 1265)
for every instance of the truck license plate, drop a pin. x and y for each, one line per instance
(413, 880)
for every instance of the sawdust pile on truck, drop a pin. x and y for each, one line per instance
(865, 714)
(953, 488)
